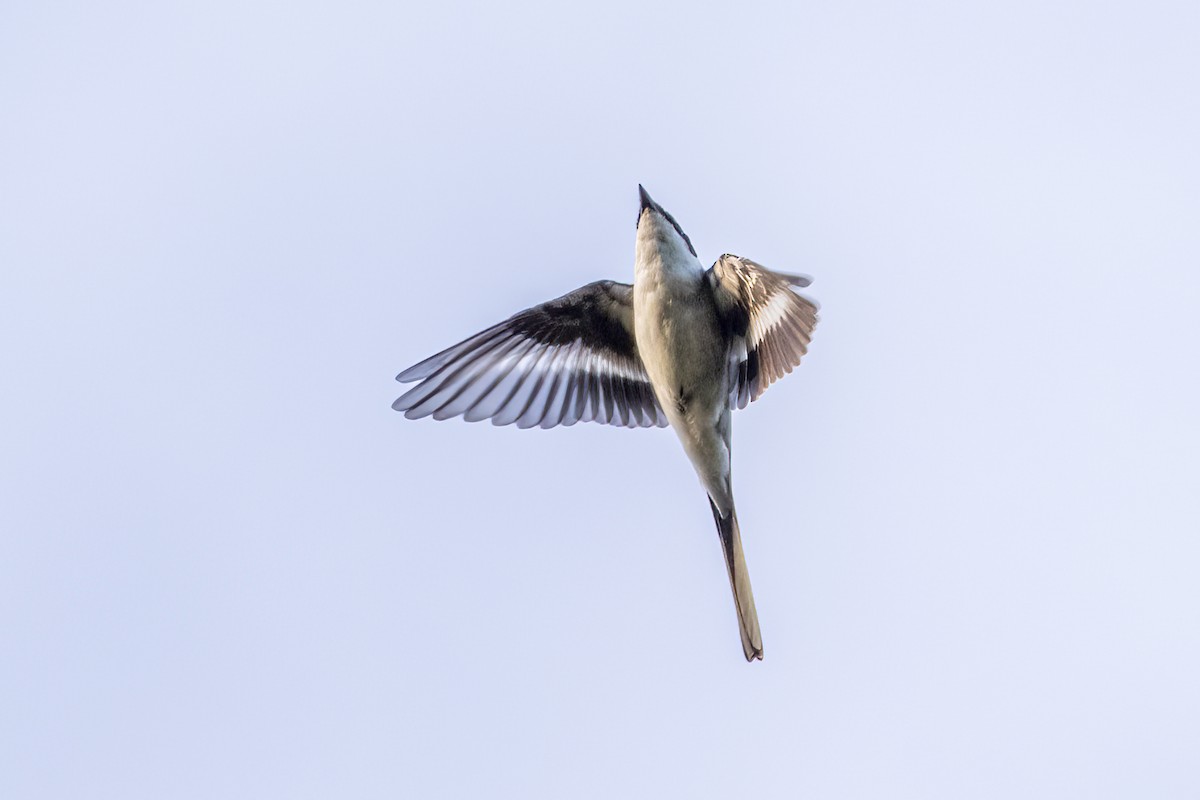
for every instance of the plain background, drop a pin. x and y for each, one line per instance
(229, 570)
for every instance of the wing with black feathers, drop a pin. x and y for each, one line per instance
(568, 360)
(770, 324)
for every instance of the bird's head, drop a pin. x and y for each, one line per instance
(659, 235)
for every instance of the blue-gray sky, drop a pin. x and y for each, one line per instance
(228, 569)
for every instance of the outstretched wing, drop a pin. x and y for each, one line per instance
(770, 324)
(568, 360)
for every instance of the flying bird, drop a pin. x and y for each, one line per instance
(683, 346)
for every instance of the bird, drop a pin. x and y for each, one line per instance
(683, 346)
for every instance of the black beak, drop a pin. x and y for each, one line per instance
(646, 201)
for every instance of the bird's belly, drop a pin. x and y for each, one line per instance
(679, 342)
(681, 347)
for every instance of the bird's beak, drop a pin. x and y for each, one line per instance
(646, 201)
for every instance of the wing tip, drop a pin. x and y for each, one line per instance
(416, 372)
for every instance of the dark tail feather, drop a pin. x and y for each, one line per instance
(739, 579)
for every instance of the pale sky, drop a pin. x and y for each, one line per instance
(229, 570)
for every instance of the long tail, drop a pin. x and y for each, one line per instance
(739, 579)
